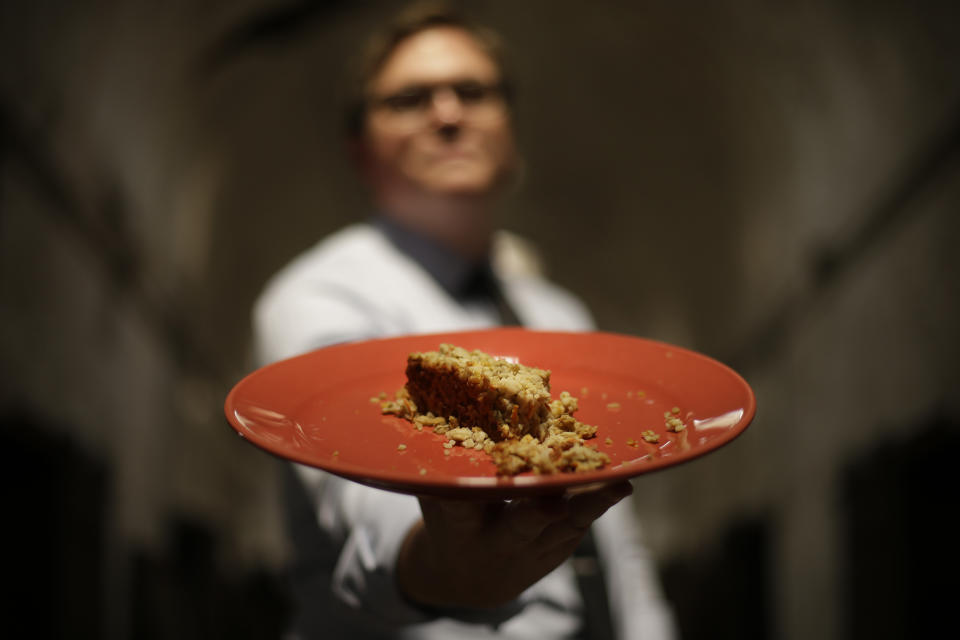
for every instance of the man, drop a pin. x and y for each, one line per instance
(433, 138)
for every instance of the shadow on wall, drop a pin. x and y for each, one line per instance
(899, 539)
(58, 557)
(901, 533)
(793, 127)
(725, 591)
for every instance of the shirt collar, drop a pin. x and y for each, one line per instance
(452, 271)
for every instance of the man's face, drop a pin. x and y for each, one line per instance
(437, 123)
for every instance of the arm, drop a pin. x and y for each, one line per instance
(388, 570)
(345, 536)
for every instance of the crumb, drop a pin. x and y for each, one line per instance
(674, 424)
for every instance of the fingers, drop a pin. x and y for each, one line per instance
(583, 509)
(587, 507)
(453, 517)
(527, 520)
(559, 540)
(542, 523)
(524, 520)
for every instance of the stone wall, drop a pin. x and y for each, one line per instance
(774, 185)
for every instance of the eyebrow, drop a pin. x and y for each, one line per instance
(482, 78)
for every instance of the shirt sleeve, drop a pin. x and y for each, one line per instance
(371, 524)
(360, 528)
(302, 316)
(364, 526)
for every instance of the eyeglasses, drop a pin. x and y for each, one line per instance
(414, 102)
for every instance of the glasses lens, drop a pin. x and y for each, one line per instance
(412, 99)
(473, 92)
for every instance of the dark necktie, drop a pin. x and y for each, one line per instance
(483, 285)
(597, 623)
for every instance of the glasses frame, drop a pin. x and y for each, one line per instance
(414, 102)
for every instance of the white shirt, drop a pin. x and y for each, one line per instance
(355, 285)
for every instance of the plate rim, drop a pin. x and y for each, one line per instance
(485, 487)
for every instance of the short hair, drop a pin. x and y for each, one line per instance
(381, 44)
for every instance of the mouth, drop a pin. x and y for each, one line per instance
(453, 158)
(454, 152)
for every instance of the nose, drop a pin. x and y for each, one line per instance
(445, 107)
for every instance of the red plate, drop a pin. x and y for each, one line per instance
(316, 409)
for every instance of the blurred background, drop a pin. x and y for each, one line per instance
(774, 184)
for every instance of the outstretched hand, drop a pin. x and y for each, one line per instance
(484, 554)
